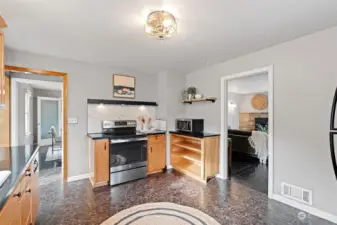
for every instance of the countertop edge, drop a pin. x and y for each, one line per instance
(199, 135)
(15, 184)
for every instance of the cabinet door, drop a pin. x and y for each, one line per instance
(35, 190)
(25, 205)
(102, 161)
(156, 157)
(11, 213)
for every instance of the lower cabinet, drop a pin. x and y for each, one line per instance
(156, 153)
(99, 162)
(22, 206)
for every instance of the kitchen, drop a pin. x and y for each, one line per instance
(185, 162)
(126, 143)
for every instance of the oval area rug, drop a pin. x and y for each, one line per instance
(160, 213)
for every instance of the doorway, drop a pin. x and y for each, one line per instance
(247, 128)
(49, 119)
(43, 91)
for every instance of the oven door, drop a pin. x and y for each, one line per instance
(128, 153)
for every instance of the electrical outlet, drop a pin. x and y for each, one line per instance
(72, 120)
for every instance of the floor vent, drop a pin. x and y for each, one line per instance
(296, 193)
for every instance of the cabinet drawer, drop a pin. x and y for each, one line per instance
(155, 139)
(26, 178)
(25, 205)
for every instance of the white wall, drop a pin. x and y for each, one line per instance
(234, 113)
(84, 81)
(305, 78)
(170, 87)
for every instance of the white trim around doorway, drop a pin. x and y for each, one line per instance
(224, 123)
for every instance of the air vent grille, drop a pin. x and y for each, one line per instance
(296, 193)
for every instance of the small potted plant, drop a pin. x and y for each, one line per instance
(191, 92)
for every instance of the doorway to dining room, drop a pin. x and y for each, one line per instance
(37, 120)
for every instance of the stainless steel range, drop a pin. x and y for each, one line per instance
(128, 151)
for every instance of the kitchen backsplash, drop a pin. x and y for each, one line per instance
(99, 112)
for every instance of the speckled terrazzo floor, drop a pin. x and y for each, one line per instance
(226, 201)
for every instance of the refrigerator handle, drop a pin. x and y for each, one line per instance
(333, 112)
(333, 153)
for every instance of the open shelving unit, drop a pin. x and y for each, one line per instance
(195, 157)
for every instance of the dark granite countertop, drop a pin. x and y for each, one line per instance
(96, 136)
(197, 135)
(14, 159)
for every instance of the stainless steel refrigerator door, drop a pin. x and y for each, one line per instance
(333, 119)
(333, 146)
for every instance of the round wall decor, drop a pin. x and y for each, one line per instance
(259, 101)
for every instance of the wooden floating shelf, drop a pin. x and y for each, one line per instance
(200, 100)
(190, 146)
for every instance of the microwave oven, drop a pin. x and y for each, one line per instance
(190, 125)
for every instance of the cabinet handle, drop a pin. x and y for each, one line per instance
(29, 191)
(29, 174)
(105, 146)
(37, 165)
(17, 195)
(151, 148)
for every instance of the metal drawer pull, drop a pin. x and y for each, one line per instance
(17, 195)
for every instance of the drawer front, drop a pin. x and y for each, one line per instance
(26, 178)
(26, 205)
(155, 139)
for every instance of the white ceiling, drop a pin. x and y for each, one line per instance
(111, 33)
(249, 85)
(41, 84)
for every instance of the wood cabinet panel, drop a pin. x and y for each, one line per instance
(11, 213)
(34, 185)
(101, 161)
(156, 153)
(4, 99)
(25, 205)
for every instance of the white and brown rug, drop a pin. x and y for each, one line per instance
(160, 213)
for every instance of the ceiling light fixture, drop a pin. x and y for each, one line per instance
(161, 24)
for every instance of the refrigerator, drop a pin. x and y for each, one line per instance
(333, 134)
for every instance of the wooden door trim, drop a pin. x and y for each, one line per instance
(64, 102)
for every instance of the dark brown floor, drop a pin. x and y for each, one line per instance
(228, 202)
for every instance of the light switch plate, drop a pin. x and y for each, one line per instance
(72, 120)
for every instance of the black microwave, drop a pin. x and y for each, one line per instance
(190, 125)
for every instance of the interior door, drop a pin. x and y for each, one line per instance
(48, 115)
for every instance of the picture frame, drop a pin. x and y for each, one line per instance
(124, 86)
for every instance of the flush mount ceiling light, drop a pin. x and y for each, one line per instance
(161, 24)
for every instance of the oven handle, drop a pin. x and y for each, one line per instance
(117, 141)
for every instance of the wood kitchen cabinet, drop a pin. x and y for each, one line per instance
(22, 206)
(156, 153)
(99, 162)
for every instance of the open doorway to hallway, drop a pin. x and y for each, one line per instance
(247, 117)
(37, 120)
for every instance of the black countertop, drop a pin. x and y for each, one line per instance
(197, 135)
(96, 136)
(14, 159)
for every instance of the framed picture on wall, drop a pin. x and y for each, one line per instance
(123, 86)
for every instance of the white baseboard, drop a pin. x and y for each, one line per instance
(78, 177)
(169, 167)
(306, 208)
